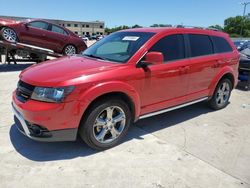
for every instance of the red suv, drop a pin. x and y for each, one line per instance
(43, 34)
(127, 76)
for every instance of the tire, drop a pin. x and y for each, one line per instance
(8, 34)
(69, 50)
(222, 93)
(102, 130)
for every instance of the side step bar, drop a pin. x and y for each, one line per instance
(172, 108)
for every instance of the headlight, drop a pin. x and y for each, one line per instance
(48, 94)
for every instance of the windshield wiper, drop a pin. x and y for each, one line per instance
(94, 56)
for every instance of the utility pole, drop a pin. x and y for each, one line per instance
(243, 18)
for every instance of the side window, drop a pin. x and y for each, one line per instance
(200, 45)
(40, 25)
(221, 45)
(57, 29)
(172, 47)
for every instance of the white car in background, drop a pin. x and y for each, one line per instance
(100, 37)
(84, 38)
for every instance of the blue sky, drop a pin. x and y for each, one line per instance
(128, 12)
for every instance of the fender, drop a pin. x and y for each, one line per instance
(219, 75)
(108, 87)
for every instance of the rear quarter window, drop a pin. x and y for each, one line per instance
(221, 45)
(57, 29)
(200, 45)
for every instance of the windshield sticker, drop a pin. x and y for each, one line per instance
(130, 38)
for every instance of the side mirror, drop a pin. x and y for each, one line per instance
(26, 25)
(152, 58)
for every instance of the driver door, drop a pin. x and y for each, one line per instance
(166, 84)
(35, 34)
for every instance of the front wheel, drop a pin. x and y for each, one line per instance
(9, 34)
(106, 123)
(70, 50)
(222, 93)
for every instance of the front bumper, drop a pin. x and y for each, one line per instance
(38, 133)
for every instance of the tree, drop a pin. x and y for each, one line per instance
(155, 25)
(114, 29)
(122, 27)
(218, 27)
(161, 25)
(136, 26)
(233, 26)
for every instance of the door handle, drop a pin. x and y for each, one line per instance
(228, 60)
(222, 62)
(187, 68)
(184, 69)
(218, 63)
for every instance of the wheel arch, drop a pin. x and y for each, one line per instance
(226, 72)
(3, 26)
(228, 76)
(108, 91)
(6, 26)
(114, 95)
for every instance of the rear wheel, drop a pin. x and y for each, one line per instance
(69, 50)
(106, 123)
(221, 95)
(9, 34)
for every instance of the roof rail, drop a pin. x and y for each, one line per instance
(197, 27)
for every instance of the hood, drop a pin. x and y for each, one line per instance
(4, 21)
(65, 71)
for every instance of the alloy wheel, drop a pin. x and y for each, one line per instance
(9, 35)
(109, 124)
(70, 50)
(223, 94)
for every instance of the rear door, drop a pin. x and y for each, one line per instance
(35, 34)
(57, 37)
(202, 63)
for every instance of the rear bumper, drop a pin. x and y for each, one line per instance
(39, 133)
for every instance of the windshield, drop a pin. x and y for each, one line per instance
(118, 47)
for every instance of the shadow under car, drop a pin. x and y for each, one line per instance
(43, 151)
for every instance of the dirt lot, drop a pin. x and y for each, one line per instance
(190, 147)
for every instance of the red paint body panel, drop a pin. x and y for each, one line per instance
(53, 116)
(158, 87)
(43, 38)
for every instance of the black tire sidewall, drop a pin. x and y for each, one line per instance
(213, 102)
(86, 130)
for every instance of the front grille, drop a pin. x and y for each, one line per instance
(24, 91)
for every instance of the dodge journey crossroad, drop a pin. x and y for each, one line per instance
(127, 76)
